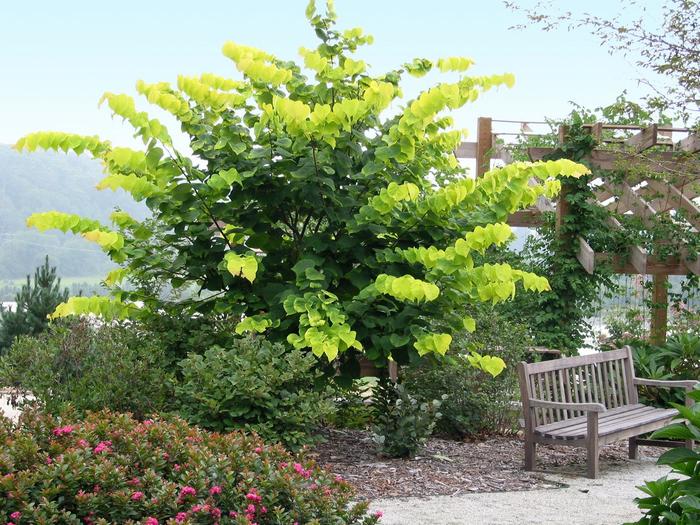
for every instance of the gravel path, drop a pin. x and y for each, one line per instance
(6, 409)
(604, 501)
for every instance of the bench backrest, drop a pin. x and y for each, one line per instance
(606, 377)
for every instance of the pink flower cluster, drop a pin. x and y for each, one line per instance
(61, 431)
(103, 446)
(214, 512)
(253, 496)
(188, 491)
(185, 492)
(299, 469)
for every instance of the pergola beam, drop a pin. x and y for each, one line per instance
(655, 266)
(676, 199)
(645, 139)
(586, 255)
(693, 264)
(629, 200)
(690, 144)
(638, 256)
(654, 161)
(527, 218)
(466, 150)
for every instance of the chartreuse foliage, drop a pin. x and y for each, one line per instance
(306, 207)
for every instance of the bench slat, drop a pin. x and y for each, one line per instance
(622, 420)
(623, 416)
(568, 362)
(615, 412)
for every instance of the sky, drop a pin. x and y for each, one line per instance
(57, 58)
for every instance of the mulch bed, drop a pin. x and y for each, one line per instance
(445, 467)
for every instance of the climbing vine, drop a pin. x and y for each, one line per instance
(560, 317)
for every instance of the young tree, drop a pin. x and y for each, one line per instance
(308, 208)
(35, 302)
(670, 48)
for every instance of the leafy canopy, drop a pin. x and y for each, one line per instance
(313, 206)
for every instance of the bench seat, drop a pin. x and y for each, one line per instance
(589, 401)
(610, 422)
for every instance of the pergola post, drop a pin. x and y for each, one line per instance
(659, 309)
(563, 207)
(484, 145)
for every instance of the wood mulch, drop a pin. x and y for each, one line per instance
(444, 467)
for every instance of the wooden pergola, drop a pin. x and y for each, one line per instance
(639, 152)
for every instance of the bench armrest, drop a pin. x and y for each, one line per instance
(584, 407)
(688, 384)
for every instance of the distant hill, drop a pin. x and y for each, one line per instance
(45, 181)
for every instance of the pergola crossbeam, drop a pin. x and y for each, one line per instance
(645, 139)
(691, 143)
(585, 255)
(693, 264)
(655, 161)
(527, 218)
(638, 256)
(655, 266)
(629, 200)
(674, 198)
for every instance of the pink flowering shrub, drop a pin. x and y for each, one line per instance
(112, 469)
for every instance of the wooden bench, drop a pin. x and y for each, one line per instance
(589, 401)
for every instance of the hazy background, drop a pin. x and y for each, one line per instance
(57, 58)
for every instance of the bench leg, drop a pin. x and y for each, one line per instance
(592, 448)
(633, 448)
(689, 403)
(592, 459)
(530, 453)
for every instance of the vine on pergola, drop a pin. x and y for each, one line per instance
(635, 213)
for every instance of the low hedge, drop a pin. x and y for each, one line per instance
(109, 468)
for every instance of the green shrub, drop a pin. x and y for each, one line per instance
(681, 355)
(403, 424)
(90, 367)
(269, 388)
(182, 334)
(684, 319)
(626, 326)
(679, 358)
(476, 402)
(352, 405)
(676, 500)
(111, 469)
